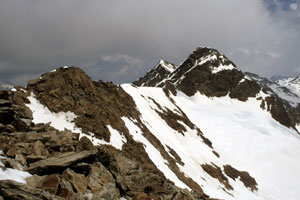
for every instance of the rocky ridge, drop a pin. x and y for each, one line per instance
(211, 73)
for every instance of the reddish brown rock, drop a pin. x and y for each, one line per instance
(50, 183)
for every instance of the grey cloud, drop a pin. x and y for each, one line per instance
(37, 36)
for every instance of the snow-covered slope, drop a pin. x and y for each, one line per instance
(244, 135)
(291, 83)
(287, 89)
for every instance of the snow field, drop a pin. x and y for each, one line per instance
(190, 148)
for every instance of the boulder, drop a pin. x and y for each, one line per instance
(98, 177)
(14, 191)
(38, 148)
(84, 144)
(108, 192)
(50, 183)
(65, 189)
(78, 181)
(59, 162)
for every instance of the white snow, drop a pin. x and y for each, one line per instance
(13, 89)
(65, 120)
(245, 136)
(13, 174)
(222, 68)
(167, 66)
(251, 140)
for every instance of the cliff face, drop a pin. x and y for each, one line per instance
(194, 134)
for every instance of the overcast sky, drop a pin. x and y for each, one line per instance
(119, 40)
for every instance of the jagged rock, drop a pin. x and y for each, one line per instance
(78, 181)
(156, 75)
(133, 180)
(20, 158)
(34, 180)
(98, 177)
(59, 162)
(12, 151)
(84, 144)
(38, 148)
(33, 136)
(15, 191)
(108, 192)
(50, 183)
(65, 189)
(54, 143)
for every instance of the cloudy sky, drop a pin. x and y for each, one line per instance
(117, 40)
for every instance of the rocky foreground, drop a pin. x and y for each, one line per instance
(66, 167)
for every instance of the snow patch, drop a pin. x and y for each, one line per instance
(169, 67)
(221, 67)
(13, 174)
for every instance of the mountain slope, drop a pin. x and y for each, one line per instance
(205, 131)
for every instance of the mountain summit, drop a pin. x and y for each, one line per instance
(201, 130)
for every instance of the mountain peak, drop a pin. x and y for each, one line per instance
(166, 65)
(205, 70)
(157, 74)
